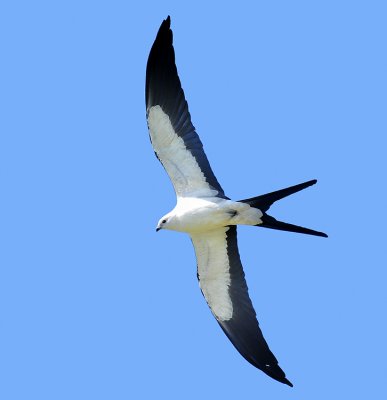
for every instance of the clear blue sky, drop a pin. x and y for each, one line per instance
(95, 304)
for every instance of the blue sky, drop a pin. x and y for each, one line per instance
(95, 304)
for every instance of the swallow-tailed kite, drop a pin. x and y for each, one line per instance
(204, 211)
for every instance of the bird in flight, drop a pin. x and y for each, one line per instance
(204, 211)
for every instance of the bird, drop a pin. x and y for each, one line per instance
(204, 212)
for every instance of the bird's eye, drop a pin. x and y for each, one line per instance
(163, 221)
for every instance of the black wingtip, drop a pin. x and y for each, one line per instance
(276, 373)
(165, 25)
(288, 383)
(285, 381)
(281, 379)
(160, 68)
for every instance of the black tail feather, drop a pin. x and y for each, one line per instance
(264, 201)
(272, 223)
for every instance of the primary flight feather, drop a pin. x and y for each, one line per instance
(203, 210)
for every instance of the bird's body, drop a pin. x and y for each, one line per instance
(200, 214)
(204, 211)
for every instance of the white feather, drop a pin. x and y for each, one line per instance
(181, 166)
(214, 271)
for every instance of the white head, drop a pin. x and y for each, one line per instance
(166, 222)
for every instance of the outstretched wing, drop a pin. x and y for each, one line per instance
(223, 285)
(172, 134)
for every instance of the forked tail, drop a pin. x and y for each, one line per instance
(264, 202)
